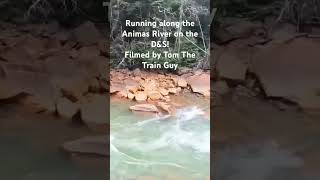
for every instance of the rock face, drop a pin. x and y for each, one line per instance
(291, 71)
(200, 83)
(144, 108)
(94, 145)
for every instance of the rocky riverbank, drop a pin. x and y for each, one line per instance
(154, 91)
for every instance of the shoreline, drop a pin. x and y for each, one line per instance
(159, 92)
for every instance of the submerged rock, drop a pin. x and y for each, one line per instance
(144, 108)
(94, 145)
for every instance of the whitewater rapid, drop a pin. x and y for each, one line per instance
(181, 142)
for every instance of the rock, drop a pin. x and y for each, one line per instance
(220, 87)
(122, 94)
(164, 91)
(87, 34)
(116, 87)
(200, 84)
(66, 108)
(154, 95)
(141, 96)
(291, 71)
(149, 85)
(131, 96)
(94, 112)
(233, 62)
(165, 106)
(92, 145)
(131, 85)
(67, 76)
(37, 85)
(182, 82)
(38, 104)
(144, 108)
(91, 62)
(172, 90)
(179, 89)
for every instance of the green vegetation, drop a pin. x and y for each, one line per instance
(169, 10)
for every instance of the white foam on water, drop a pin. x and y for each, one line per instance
(187, 131)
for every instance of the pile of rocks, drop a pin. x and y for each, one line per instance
(148, 86)
(51, 69)
(156, 89)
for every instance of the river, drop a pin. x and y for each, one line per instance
(159, 147)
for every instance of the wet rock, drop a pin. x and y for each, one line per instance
(87, 34)
(291, 71)
(141, 96)
(92, 145)
(200, 84)
(144, 108)
(165, 106)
